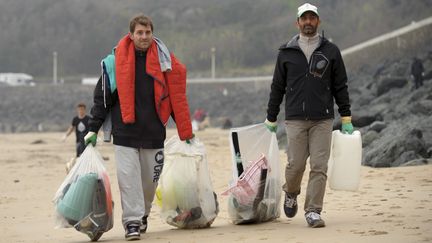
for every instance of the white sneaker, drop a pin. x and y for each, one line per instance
(314, 220)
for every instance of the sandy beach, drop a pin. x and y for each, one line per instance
(392, 204)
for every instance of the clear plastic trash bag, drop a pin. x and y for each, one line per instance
(84, 199)
(185, 192)
(255, 190)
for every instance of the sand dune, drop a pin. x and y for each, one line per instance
(392, 205)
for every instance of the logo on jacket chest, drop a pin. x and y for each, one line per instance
(318, 64)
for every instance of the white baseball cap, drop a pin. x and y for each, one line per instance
(307, 7)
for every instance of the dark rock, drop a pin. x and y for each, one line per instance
(429, 152)
(364, 120)
(377, 126)
(417, 133)
(422, 107)
(395, 148)
(387, 83)
(416, 162)
(428, 75)
(405, 156)
(369, 137)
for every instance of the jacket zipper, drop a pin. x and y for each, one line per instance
(160, 99)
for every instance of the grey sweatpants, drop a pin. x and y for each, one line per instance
(304, 139)
(138, 172)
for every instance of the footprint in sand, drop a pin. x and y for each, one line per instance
(417, 227)
(357, 232)
(377, 232)
(395, 216)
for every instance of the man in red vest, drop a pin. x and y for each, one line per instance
(142, 85)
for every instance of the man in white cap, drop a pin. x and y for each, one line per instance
(311, 74)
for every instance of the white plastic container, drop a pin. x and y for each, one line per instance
(345, 161)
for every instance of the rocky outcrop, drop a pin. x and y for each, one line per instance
(402, 128)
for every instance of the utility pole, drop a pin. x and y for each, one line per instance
(213, 62)
(55, 67)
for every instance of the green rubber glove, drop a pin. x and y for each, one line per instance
(271, 126)
(90, 137)
(189, 141)
(347, 126)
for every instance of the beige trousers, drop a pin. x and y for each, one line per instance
(304, 139)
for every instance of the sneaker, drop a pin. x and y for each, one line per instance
(314, 220)
(143, 227)
(290, 205)
(132, 231)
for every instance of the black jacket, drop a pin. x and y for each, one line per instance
(417, 67)
(309, 88)
(147, 132)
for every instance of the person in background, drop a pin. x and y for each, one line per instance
(200, 120)
(310, 73)
(142, 85)
(417, 72)
(80, 126)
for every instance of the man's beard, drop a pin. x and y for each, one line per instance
(309, 29)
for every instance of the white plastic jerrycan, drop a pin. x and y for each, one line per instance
(345, 161)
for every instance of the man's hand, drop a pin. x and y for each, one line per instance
(190, 140)
(271, 126)
(90, 137)
(347, 126)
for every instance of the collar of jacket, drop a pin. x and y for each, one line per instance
(125, 74)
(293, 43)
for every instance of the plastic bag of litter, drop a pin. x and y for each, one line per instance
(185, 191)
(255, 190)
(251, 183)
(84, 199)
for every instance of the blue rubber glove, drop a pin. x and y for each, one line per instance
(90, 138)
(271, 126)
(347, 126)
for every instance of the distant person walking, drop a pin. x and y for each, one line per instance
(310, 73)
(417, 72)
(142, 85)
(80, 126)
